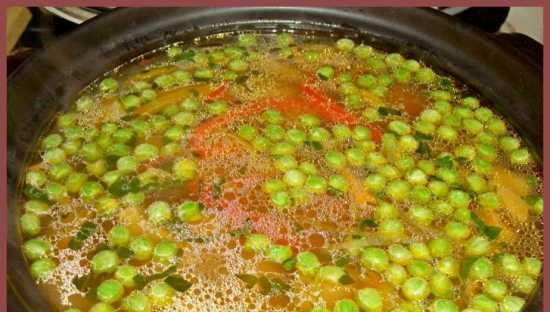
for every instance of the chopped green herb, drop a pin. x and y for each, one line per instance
(249, 279)
(178, 283)
(86, 230)
(385, 111)
(491, 232)
(124, 185)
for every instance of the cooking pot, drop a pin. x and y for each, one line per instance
(51, 79)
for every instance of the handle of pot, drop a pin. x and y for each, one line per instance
(526, 47)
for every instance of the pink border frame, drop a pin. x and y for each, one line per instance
(150, 3)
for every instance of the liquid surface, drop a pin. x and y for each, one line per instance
(282, 173)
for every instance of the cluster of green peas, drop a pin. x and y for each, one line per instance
(401, 177)
(307, 264)
(111, 291)
(385, 69)
(108, 157)
(302, 178)
(419, 271)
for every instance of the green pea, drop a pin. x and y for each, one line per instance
(496, 126)
(257, 242)
(366, 81)
(130, 102)
(532, 266)
(374, 258)
(189, 211)
(420, 268)
(488, 201)
(165, 251)
(30, 224)
(447, 133)
(281, 199)
(35, 178)
(482, 268)
(495, 288)
(338, 183)
(185, 169)
(118, 149)
(346, 305)
(203, 74)
(55, 191)
(102, 307)
(509, 144)
(283, 148)
(459, 199)
(477, 246)
(97, 168)
(512, 304)
(417, 177)
(399, 254)
(247, 132)
(438, 188)
(174, 133)
(335, 160)
(520, 157)
(341, 132)
(110, 291)
(325, 72)
(107, 206)
(159, 212)
(42, 268)
(133, 199)
(307, 263)
(273, 185)
(345, 44)
(482, 167)
(394, 59)
(125, 274)
(421, 215)
(316, 184)
(238, 65)
(108, 85)
(370, 299)
(457, 230)
(119, 235)
(465, 151)
(525, 284)
(442, 286)
(319, 134)
(444, 305)
(284, 39)
(261, 143)
(391, 229)
(285, 163)
(294, 178)
(396, 274)
(275, 132)
(398, 189)
(449, 175)
(111, 177)
(399, 127)
(476, 183)
(440, 95)
(136, 301)
(37, 207)
(440, 247)
(483, 303)
(363, 51)
(145, 152)
(309, 121)
(160, 293)
(463, 112)
(415, 288)
(389, 172)
(420, 251)
(425, 75)
(405, 163)
(411, 65)
(372, 114)
(142, 248)
(105, 261)
(355, 157)
(408, 144)
(331, 273)
(296, 136)
(54, 156)
(52, 141)
(386, 210)
(472, 126)
(127, 164)
(279, 253)
(402, 74)
(247, 40)
(448, 265)
(36, 248)
(190, 104)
